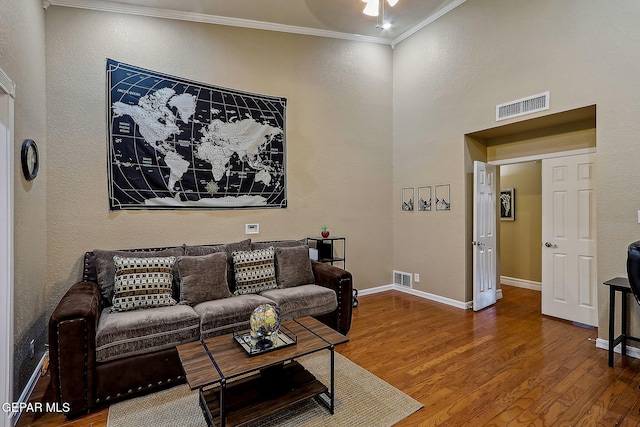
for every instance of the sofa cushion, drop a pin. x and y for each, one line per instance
(142, 282)
(202, 278)
(254, 271)
(120, 335)
(277, 244)
(229, 248)
(222, 316)
(105, 268)
(293, 266)
(300, 301)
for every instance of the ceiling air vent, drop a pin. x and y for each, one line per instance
(522, 106)
(401, 278)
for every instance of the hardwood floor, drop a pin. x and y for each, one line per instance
(504, 366)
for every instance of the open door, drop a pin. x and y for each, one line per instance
(485, 263)
(569, 280)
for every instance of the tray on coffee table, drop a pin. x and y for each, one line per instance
(283, 338)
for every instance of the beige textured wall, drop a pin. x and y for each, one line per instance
(565, 138)
(521, 240)
(449, 77)
(339, 120)
(22, 58)
(447, 80)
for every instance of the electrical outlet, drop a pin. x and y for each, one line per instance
(32, 348)
(416, 277)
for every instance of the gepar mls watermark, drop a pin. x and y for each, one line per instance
(37, 407)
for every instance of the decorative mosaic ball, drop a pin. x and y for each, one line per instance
(264, 321)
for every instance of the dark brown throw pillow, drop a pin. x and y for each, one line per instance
(293, 267)
(229, 248)
(203, 278)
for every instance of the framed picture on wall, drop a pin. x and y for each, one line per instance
(408, 195)
(424, 198)
(507, 204)
(443, 197)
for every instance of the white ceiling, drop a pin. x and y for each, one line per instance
(330, 18)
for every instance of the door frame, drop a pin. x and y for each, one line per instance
(532, 158)
(514, 160)
(7, 95)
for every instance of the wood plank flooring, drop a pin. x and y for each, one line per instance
(505, 366)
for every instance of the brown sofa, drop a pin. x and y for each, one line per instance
(96, 358)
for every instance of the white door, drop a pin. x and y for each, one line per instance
(569, 239)
(6, 245)
(484, 235)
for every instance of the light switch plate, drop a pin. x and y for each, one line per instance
(252, 229)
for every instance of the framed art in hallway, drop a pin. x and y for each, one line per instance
(507, 204)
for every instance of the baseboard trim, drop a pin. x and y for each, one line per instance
(631, 351)
(415, 292)
(521, 283)
(26, 393)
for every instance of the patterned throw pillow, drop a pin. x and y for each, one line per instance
(142, 282)
(254, 271)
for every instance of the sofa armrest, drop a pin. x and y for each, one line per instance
(341, 282)
(72, 346)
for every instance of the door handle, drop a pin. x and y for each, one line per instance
(550, 245)
(476, 243)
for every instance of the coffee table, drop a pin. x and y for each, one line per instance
(268, 381)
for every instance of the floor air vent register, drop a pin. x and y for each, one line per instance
(402, 279)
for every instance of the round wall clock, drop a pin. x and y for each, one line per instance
(30, 159)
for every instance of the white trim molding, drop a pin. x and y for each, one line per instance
(110, 6)
(448, 8)
(415, 292)
(535, 157)
(7, 94)
(631, 351)
(31, 385)
(426, 295)
(521, 283)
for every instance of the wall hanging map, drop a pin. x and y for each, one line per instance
(176, 144)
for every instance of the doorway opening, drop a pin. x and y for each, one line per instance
(523, 145)
(521, 229)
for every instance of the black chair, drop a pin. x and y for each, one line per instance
(633, 269)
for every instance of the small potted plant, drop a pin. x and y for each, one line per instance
(325, 231)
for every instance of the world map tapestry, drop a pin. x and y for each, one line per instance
(179, 144)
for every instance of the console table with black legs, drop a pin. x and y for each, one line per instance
(619, 284)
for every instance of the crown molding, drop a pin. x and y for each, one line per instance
(448, 8)
(107, 6)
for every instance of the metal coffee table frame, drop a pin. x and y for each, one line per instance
(236, 388)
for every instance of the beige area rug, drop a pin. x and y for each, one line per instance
(362, 399)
